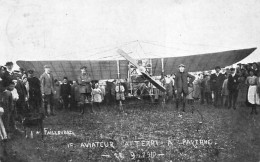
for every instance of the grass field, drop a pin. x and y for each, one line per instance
(164, 134)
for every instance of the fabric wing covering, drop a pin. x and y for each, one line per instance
(107, 69)
(98, 69)
(200, 62)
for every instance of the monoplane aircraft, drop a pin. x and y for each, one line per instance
(119, 68)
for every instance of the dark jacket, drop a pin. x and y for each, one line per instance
(21, 90)
(34, 88)
(233, 82)
(181, 81)
(217, 81)
(8, 77)
(65, 89)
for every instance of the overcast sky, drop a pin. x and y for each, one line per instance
(65, 29)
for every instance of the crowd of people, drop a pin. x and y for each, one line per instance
(226, 87)
(22, 93)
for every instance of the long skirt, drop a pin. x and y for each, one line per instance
(252, 95)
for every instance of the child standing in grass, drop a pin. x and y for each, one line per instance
(96, 96)
(189, 96)
(120, 91)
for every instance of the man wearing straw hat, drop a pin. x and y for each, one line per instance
(181, 85)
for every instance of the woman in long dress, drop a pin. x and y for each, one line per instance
(252, 95)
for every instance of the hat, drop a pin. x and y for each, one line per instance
(47, 66)
(217, 67)
(181, 65)
(83, 67)
(30, 71)
(9, 63)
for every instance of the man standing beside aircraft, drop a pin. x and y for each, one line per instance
(34, 91)
(85, 89)
(232, 85)
(217, 80)
(47, 88)
(181, 85)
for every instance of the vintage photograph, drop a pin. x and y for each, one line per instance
(129, 81)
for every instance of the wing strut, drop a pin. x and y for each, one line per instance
(133, 61)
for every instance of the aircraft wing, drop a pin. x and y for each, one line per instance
(102, 69)
(107, 69)
(200, 62)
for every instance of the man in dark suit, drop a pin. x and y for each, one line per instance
(181, 85)
(217, 80)
(47, 88)
(232, 86)
(34, 91)
(65, 92)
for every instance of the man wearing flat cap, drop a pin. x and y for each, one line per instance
(34, 91)
(47, 89)
(181, 85)
(84, 80)
(217, 80)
